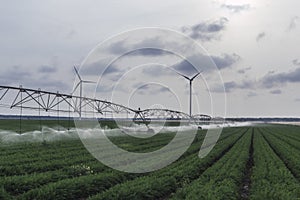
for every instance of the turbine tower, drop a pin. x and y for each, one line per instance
(191, 82)
(80, 83)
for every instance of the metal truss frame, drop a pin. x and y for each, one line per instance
(51, 101)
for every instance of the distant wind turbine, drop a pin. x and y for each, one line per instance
(80, 83)
(191, 82)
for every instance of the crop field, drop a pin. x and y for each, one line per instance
(255, 162)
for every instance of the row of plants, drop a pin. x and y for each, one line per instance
(43, 166)
(38, 152)
(270, 178)
(287, 153)
(19, 184)
(161, 184)
(54, 160)
(223, 179)
(76, 188)
(286, 136)
(16, 185)
(26, 148)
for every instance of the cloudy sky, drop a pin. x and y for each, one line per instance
(254, 44)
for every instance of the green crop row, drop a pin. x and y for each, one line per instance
(48, 162)
(270, 178)
(25, 149)
(58, 155)
(76, 188)
(289, 154)
(38, 152)
(73, 181)
(171, 177)
(223, 179)
(19, 184)
(16, 185)
(285, 136)
(43, 166)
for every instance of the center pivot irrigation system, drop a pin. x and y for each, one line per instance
(39, 100)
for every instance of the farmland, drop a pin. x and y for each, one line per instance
(255, 162)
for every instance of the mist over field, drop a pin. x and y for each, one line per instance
(60, 133)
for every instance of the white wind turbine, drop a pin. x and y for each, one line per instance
(191, 82)
(79, 84)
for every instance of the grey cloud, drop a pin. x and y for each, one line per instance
(236, 8)
(104, 88)
(47, 69)
(206, 31)
(18, 75)
(278, 79)
(71, 34)
(229, 86)
(251, 94)
(225, 60)
(270, 80)
(296, 62)
(185, 67)
(260, 36)
(297, 99)
(277, 91)
(222, 62)
(293, 23)
(50, 84)
(148, 52)
(157, 71)
(111, 72)
(164, 89)
(150, 89)
(111, 69)
(117, 47)
(15, 75)
(232, 85)
(142, 89)
(121, 47)
(100, 68)
(244, 70)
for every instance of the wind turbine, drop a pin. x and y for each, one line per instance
(191, 82)
(80, 83)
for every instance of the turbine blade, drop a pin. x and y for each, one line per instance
(195, 75)
(77, 73)
(76, 87)
(183, 75)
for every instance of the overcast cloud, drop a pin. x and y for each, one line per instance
(236, 8)
(207, 30)
(269, 81)
(42, 41)
(260, 36)
(294, 22)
